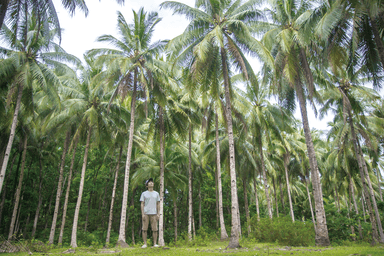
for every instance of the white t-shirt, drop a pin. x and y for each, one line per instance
(150, 200)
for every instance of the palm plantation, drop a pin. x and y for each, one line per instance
(220, 138)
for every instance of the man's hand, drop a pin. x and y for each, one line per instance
(143, 217)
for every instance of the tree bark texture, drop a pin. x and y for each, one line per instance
(121, 240)
(162, 141)
(286, 161)
(58, 192)
(18, 191)
(65, 206)
(81, 188)
(256, 198)
(11, 136)
(110, 218)
(234, 240)
(322, 238)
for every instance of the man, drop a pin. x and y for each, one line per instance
(150, 211)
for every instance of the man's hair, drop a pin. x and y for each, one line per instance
(147, 181)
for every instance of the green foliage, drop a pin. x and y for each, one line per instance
(283, 231)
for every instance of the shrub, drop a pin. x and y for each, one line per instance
(282, 231)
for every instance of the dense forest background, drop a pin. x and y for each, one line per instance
(229, 159)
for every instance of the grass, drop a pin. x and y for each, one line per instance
(218, 248)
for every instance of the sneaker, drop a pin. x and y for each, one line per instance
(144, 246)
(156, 245)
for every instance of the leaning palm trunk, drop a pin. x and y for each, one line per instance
(81, 187)
(223, 231)
(190, 183)
(234, 240)
(322, 237)
(265, 181)
(286, 160)
(121, 239)
(381, 235)
(161, 220)
(58, 193)
(352, 190)
(360, 159)
(65, 207)
(113, 198)
(18, 191)
(11, 136)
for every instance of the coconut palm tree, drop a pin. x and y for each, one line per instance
(129, 65)
(290, 38)
(218, 29)
(27, 62)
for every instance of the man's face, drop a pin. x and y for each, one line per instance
(150, 184)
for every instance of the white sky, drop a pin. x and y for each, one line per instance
(80, 32)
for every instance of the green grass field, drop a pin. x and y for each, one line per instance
(218, 248)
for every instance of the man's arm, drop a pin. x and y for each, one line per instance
(158, 209)
(142, 209)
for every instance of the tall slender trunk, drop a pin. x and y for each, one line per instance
(18, 191)
(275, 195)
(362, 203)
(378, 176)
(337, 199)
(256, 198)
(81, 187)
(265, 181)
(321, 238)
(175, 217)
(65, 207)
(11, 136)
(37, 213)
(352, 191)
(234, 240)
(5, 190)
(121, 239)
(113, 198)
(200, 218)
(281, 195)
(223, 231)
(246, 206)
(310, 203)
(190, 183)
(58, 192)
(360, 160)
(377, 213)
(162, 141)
(286, 161)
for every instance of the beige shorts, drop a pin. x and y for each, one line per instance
(152, 219)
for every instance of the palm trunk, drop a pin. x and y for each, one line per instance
(121, 239)
(286, 160)
(81, 187)
(256, 199)
(275, 195)
(352, 191)
(246, 206)
(381, 234)
(360, 160)
(175, 217)
(200, 218)
(322, 238)
(162, 140)
(265, 181)
(5, 190)
(18, 191)
(378, 176)
(113, 198)
(190, 183)
(40, 200)
(281, 195)
(310, 203)
(58, 193)
(65, 207)
(362, 203)
(223, 231)
(337, 199)
(234, 240)
(11, 136)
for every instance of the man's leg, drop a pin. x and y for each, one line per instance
(154, 237)
(154, 229)
(145, 228)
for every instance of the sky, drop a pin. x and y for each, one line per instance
(80, 32)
